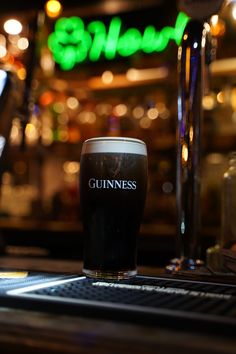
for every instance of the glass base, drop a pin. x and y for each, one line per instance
(179, 264)
(110, 275)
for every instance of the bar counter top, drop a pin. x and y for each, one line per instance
(30, 331)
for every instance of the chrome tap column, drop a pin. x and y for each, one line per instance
(193, 56)
(191, 62)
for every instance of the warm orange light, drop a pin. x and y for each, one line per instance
(217, 26)
(53, 8)
(21, 73)
(46, 98)
(187, 65)
(184, 153)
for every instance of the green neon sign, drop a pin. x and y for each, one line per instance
(71, 43)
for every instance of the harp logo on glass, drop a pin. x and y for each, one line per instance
(94, 183)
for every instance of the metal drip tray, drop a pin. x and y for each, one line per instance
(158, 300)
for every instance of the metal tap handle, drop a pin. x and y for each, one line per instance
(191, 60)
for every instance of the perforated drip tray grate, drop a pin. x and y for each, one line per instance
(144, 298)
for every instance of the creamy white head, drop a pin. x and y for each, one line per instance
(114, 145)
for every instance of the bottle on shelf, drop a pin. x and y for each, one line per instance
(228, 218)
(227, 240)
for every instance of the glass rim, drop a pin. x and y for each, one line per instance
(114, 138)
(112, 144)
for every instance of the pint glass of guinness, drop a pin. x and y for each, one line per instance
(113, 183)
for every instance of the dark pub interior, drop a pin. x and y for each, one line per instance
(99, 99)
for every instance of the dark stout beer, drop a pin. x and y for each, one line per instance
(113, 182)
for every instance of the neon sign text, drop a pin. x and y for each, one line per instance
(71, 43)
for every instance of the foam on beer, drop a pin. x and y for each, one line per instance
(113, 145)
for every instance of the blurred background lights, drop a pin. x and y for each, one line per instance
(184, 153)
(46, 61)
(46, 98)
(233, 99)
(86, 117)
(165, 114)
(107, 77)
(214, 20)
(152, 113)
(3, 51)
(31, 133)
(145, 123)
(16, 132)
(58, 107)
(159, 73)
(53, 8)
(138, 112)
(63, 134)
(63, 118)
(22, 43)
(161, 107)
(208, 102)
(12, 26)
(234, 11)
(120, 110)
(72, 102)
(21, 73)
(71, 167)
(220, 97)
(215, 158)
(103, 108)
(132, 74)
(2, 39)
(217, 26)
